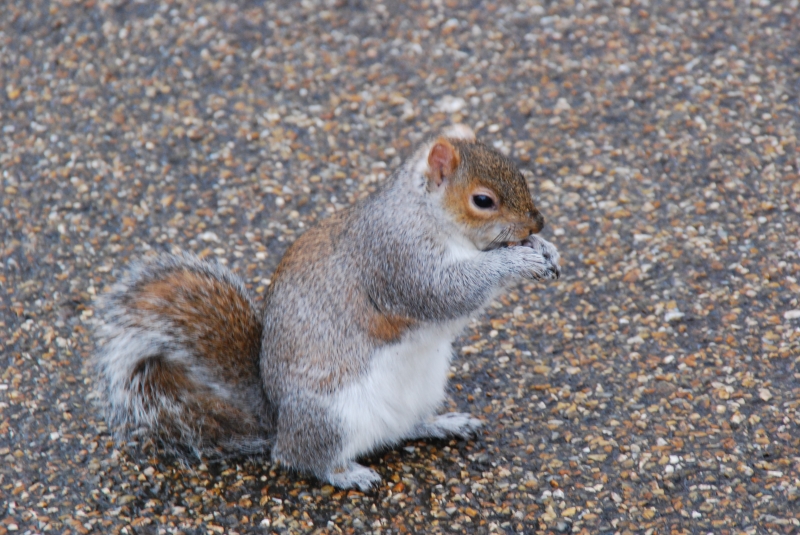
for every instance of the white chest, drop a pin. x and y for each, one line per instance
(404, 385)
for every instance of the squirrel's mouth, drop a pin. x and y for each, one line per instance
(521, 243)
(512, 235)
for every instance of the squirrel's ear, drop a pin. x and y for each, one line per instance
(443, 160)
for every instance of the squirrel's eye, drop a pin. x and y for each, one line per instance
(483, 201)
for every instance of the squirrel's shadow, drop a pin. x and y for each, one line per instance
(170, 457)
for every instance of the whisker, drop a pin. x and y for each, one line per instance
(495, 241)
(500, 238)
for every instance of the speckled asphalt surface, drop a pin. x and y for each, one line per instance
(654, 389)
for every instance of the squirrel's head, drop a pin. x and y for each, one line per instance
(481, 190)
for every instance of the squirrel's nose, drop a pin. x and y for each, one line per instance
(538, 222)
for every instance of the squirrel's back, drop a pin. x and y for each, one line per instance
(178, 357)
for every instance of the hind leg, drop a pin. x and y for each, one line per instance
(309, 441)
(449, 424)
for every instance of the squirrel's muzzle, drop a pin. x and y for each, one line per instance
(537, 220)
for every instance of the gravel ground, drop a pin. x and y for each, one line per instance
(654, 389)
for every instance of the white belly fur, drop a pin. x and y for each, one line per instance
(404, 385)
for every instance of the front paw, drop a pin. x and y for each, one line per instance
(545, 263)
(354, 476)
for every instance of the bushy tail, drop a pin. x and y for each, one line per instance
(178, 350)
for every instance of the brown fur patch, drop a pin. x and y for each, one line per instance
(389, 328)
(162, 378)
(211, 315)
(205, 417)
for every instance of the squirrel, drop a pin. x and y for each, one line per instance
(351, 348)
